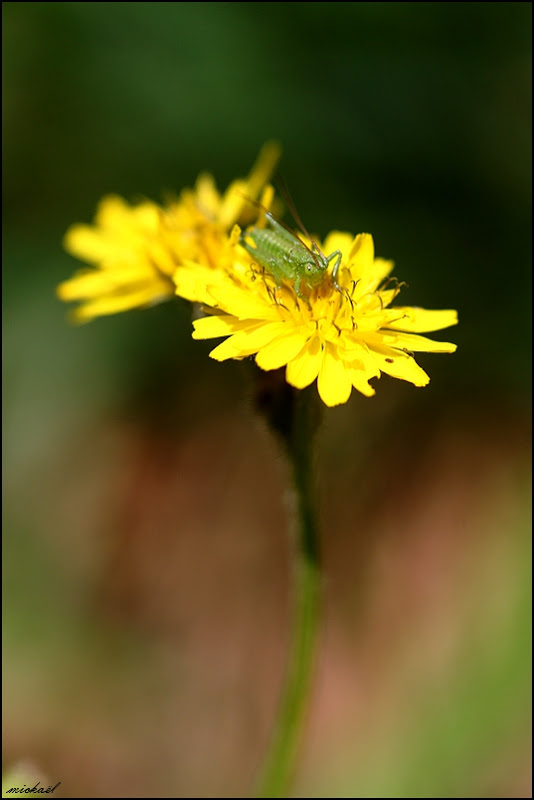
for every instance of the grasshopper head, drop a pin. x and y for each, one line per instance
(313, 268)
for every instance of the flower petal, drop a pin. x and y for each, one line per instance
(218, 325)
(87, 284)
(337, 240)
(249, 340)
(228, 349)
(192, 284)
(261, 333)
(242, 302)
(409, 341)
(363, 250)
(419, 320)
(236, 197)
(401, 366)
(360, 381)
(358, 357)
(304, 368)
(334, 382)
(282, 350)
(208, 198)
(114, 303)
(263, 168)
(88, 244)
(369, 276)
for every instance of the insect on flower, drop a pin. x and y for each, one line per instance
(286, 257)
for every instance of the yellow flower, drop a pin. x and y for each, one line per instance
(341, 338)
(132, 263)
(135, 249)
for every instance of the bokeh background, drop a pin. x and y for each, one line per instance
(146, 578)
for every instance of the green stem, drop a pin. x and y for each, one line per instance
(298, 436)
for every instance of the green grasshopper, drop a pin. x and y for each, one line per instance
(281, 253)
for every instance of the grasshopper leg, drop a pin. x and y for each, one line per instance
(336, 254)
(300, 294)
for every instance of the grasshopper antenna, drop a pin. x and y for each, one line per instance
(253, 202)
(284, 191)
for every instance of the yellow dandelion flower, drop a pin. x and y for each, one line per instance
(134, 250)
(342, 337)
(132, 261)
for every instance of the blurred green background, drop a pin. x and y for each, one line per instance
(146, 578)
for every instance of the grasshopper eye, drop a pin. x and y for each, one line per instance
(309, 267)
